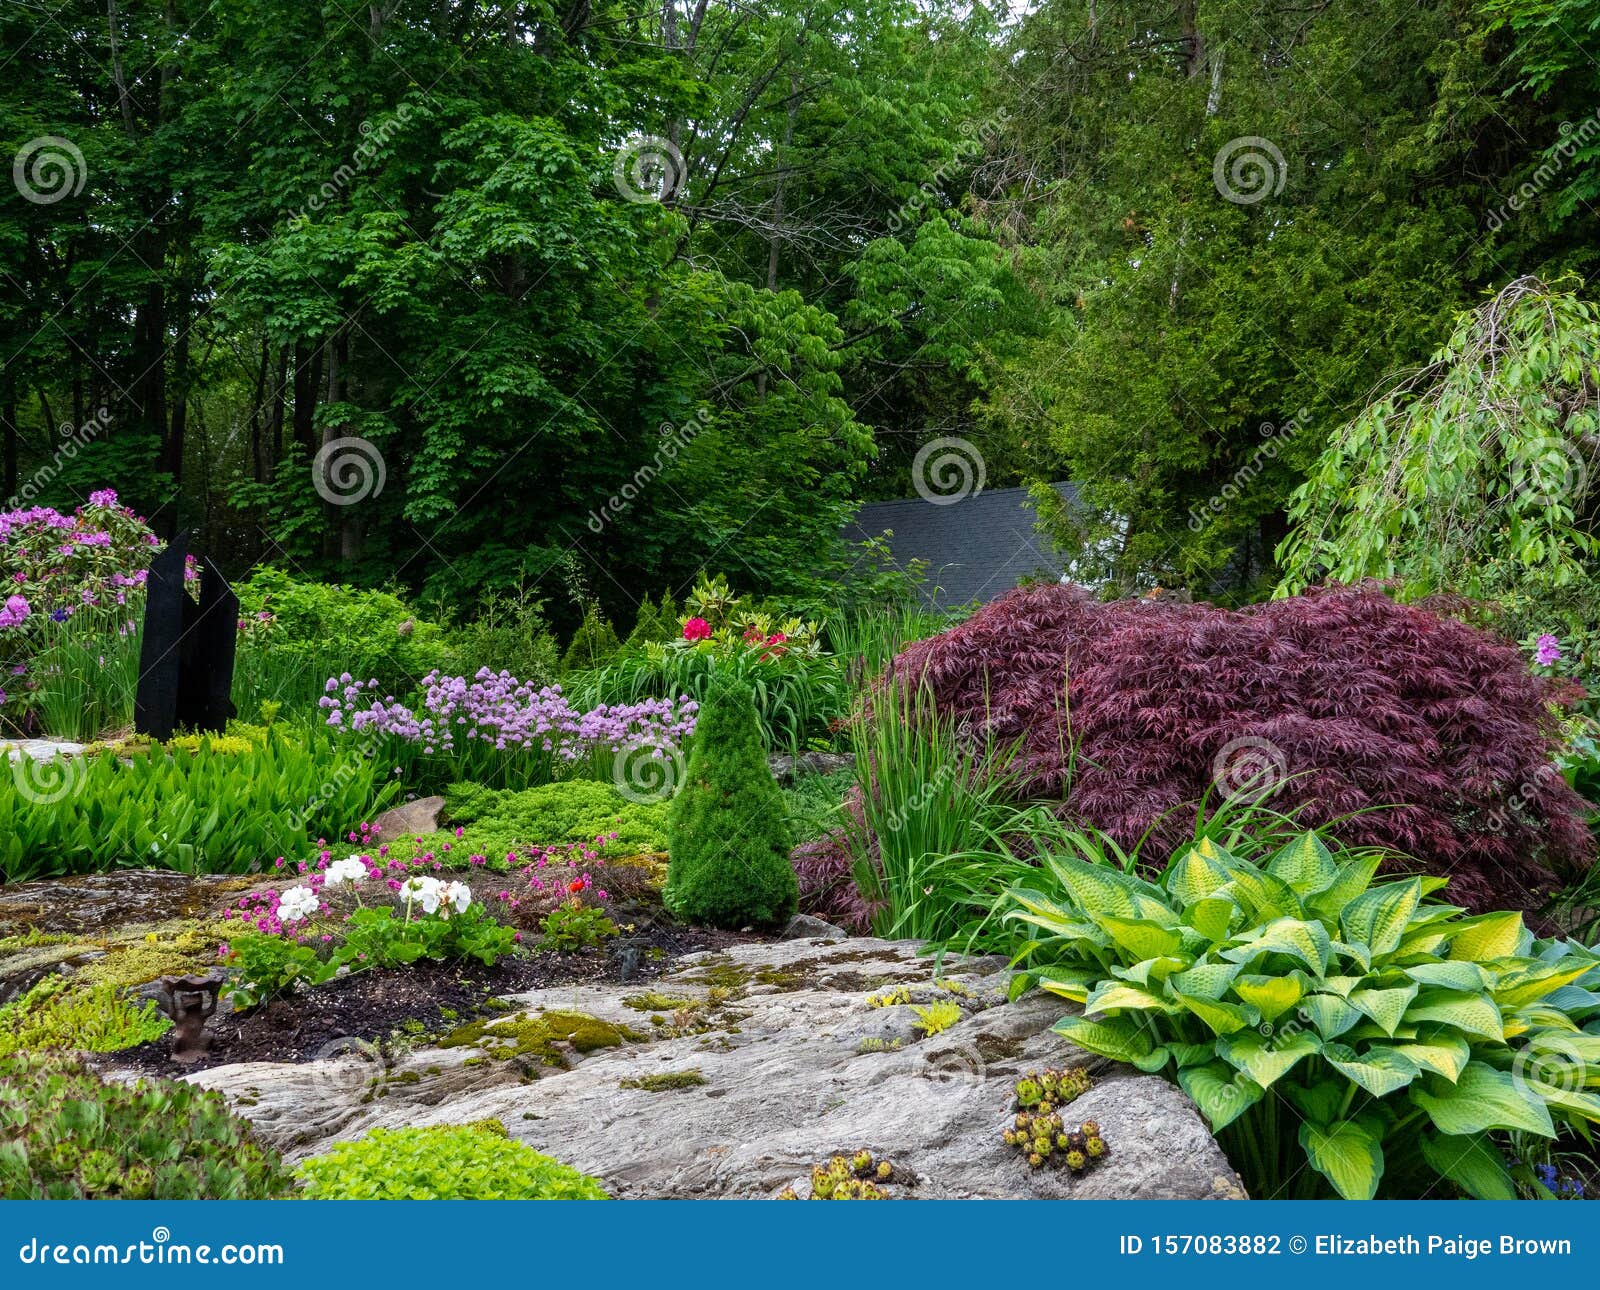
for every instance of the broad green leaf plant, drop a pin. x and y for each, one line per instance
(1336, 1031)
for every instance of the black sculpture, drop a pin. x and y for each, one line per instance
(186, 659)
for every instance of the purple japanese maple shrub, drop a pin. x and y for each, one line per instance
(1414, 731)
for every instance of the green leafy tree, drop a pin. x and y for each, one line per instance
(728, 838)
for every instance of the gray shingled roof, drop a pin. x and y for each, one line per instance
(976, 548)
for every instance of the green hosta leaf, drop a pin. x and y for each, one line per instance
(1105, 891)
(1152, 969)
(1518, 988)
(1450, 975)
(1357, 954)
(1472, 1013)
(1068, 984)
(1339, 985)
(1305, 864)
(1153, 1062)
(1443, 1053)
(1307, 942)
(1268, 896)
(1347, 1154)
(1267, 1057)
(1472, 1162)
(1379, 1070)
(1206, 980)
(1378, 918)
(1196, 874)
(1385, 1007)
(1155, 911)
(1331, 1015)
(1586, 1106)
(1271, 996)
(1223, 1018)
(1482, 1099)
(1212, 917)
(1110, 996)
(1222, 1093)
(1354, 878)
(1422, 940)
(1486, 937)
(1141, 938)
(1186, 1055)
(1120, 1038)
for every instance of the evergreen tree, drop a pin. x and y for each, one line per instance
(727, 836)
(593, 644)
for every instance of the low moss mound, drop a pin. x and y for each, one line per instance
(665, 1081)
(58, 1014)
(543, 1038)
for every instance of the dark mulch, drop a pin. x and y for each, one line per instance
(373, 1005)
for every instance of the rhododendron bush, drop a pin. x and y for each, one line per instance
(1410, 730)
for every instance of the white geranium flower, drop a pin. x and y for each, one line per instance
(459, 895)
(350, 869)
(297, 903)
(425, 891)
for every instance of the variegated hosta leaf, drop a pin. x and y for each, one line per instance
(1101, 890)
(1196, 874)
(1120, 1038)
(1213, 917)
(1142, 938)
(1068, 984)
(1443, 1053)
(1380, 1070)
(1206, 980)
(1272, 996)
(1472, 1162)
(1449, 975)
(1307, 942)
(1305, 864)
(1486, 937)
(1112, 996)
(1347, 1154)
(1222, 1093)
(1379, 917)
(1515, 989)
(1471, 1013)
(1153, 971)
(1265, 1058)
(1483, 1098)
(1386, 1007)
(1340, 985)
(1585, 1106)
(1331, 1015)
(1355, 876)
(1223, 1018)
(1266, 896)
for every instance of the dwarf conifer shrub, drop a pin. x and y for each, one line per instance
(727, 832)
(1399, 727)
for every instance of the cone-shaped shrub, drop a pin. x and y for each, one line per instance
(727, 836)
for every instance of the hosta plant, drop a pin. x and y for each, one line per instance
(1319, 1018)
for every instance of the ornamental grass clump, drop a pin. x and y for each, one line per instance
(1395, 726)
(1318, 1018)
(727, 836)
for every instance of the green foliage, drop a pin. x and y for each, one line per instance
(507, 634)
(1471, 475)
(572, 927)
(936, 1017)
(594, 643)
(465, 1162)
(214, 810)
(64, 1135)
(814, 803)
(365, 633)
(96, 1019)
(576, 810)
(656, 624)
(85, 675)
(1316, 1017)
(727, 837)
(270, 966)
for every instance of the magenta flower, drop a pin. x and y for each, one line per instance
(1547, 650)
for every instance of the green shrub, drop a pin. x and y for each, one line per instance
(56, 1015)
(1315, 1018)
(579, 810)
(593, 644)
(509, 634)
(656, 624)
(467, 1162)
(727, 836)
(217, 809)
(64, 1135)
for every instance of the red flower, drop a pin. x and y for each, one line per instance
(575, 886)
(696, 629)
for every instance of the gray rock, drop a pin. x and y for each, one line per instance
(798, 1066)
(802, 926)
(419, 816)
(785, 767)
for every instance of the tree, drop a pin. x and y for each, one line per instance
(727, 837)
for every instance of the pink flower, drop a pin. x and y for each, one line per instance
(1547, 650)
(696, 629)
